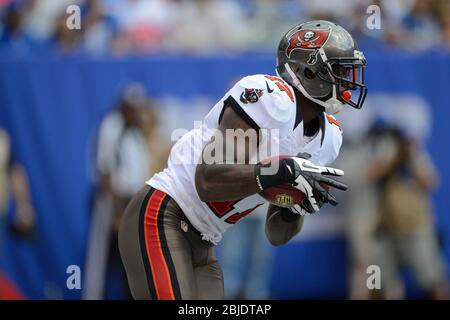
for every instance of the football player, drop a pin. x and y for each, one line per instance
(170, 227)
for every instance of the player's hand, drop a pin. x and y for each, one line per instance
(299, 209)
(308, 178)
(304, 208)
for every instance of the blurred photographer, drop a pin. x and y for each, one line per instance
(122, 163)
(14, 181)
(405, 231)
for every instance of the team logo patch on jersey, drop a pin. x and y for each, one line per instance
(251, 95)
(307, 39)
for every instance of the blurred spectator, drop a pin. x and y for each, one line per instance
(405, 230)
(123, 164)
(13, 177)
(205, 26)
(41, 19)
(158, 146)
(359, 209)
(123, 158)
(422, 25)
(443, 9)
(4, 165)
(144, 24)
(268, 20)
(13, 35)
(98, 29)
(94, 37)
(246, 258)
(446, 33)
(66, 41)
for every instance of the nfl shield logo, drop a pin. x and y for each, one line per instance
(284, 200)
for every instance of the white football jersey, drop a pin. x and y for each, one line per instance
(266, 103)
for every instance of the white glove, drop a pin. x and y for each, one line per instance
(308, 178)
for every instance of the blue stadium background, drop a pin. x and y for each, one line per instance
(52, 106)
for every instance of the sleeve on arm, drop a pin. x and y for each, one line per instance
(261, 104)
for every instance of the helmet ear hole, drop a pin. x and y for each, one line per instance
(309, 74)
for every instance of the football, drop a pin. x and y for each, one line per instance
(284, 195)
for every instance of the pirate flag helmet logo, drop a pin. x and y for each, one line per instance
(307, 39)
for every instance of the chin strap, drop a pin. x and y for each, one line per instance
(331, 106)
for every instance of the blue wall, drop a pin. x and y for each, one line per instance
(52, 106)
